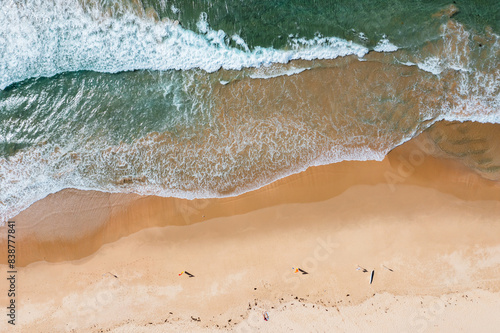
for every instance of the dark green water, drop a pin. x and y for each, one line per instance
(269, 23)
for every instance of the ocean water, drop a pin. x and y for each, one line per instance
(215, 98)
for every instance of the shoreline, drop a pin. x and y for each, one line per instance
(91, 261)
(102, 217)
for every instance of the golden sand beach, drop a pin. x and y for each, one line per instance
(426, 222)
(350, 189)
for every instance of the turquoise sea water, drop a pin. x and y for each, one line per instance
(214, 98)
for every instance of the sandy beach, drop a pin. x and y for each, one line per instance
(423, 220)
(249, 166)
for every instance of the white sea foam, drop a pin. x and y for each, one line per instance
(239, 41)
(432, 65)
(43, 38)
(262, 73)
(384, 45)
(362, 36)
(175, 10)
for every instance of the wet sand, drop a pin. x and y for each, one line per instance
(91, 261)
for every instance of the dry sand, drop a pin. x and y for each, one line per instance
(431, 220)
